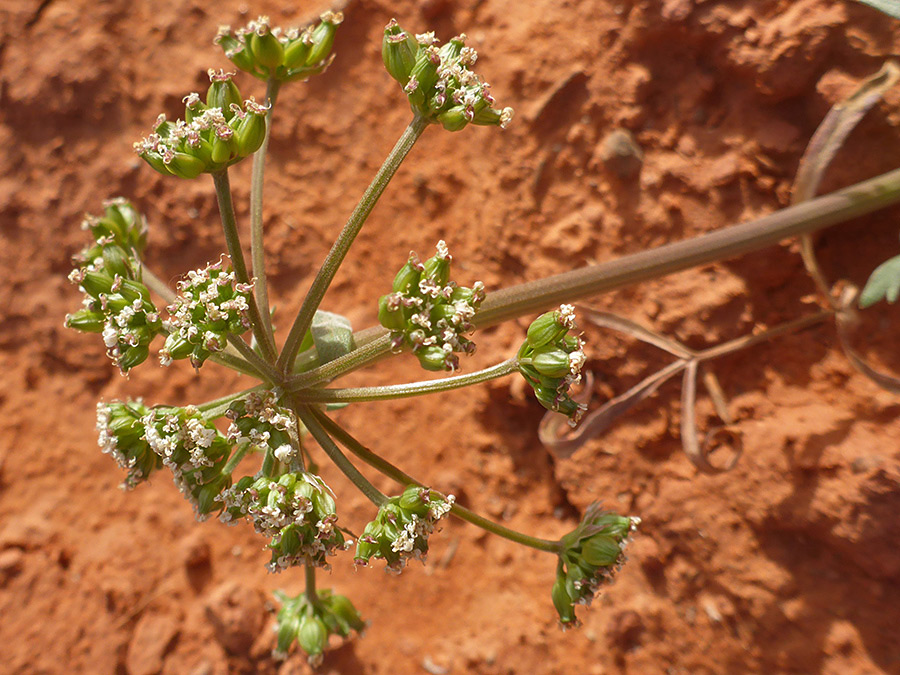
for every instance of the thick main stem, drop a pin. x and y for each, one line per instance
(405, 479)
(257, 252)
(233, 241)
(389, 392)
(342, 245)
(543, 294)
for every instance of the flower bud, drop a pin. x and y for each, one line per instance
(398, 51)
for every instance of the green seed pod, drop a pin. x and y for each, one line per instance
(550, 361)
(415, 500)
(155, 160)
(437, 269)
(206, 497)
(266, 49)
(408, 277)
(296, 52)
(398, 51)
(116, 261)
(545, 329)
(223, 150)
(601, 550)
(432, 358)
(250, 132)
(562, 601)
(86, 321)
(346, 614)
(288, 629)
(392, 319)
(453, 119)
(132, 357)
(613, 525)
(96, 283)
(323, 37)
(451, 50)
(312, 635)
(222, 93)
(290, 540)
(177, 347)
(184, 165)
(424, 72)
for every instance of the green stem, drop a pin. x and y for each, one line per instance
(257, 252)
(236, 363)
(217, 407)
(311, 596)
(389, 392)
(309, 419)
(229, 225)
(157, 285)
(397, 474)
(236, 458)
(266, 370)
(342, 245)
(544, 294)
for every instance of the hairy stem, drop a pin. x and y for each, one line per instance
(342, 245)
(310, 420)
(266, 370)
(405, 479)
(257, 253)
(389, 392)
(311, 596)
(229, 225)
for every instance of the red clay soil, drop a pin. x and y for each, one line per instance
(789, 563)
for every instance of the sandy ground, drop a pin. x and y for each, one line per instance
(787, 564)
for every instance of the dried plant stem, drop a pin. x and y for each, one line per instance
(257, 252)
(404, 479)
(342, 245)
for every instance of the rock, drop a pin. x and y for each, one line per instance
(151, 641)
(621, 154)
(237, 614)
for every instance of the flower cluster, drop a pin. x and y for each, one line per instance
(310, 624)
(296, 510)
(120, 434)
(194, 450)
(591, 555)
(270, 53)
(211, 304)
(117, 303)
(211, 136)
(438, 81)
(551, 361)
(430, 313)
(400, 530)
(259, 422)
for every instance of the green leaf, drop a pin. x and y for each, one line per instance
(884, 283)
(889, 7)
(332, 335)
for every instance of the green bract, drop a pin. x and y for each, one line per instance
(211, 137)
(429, 313)
(284, 55)
(438, 81)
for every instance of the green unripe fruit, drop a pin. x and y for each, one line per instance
(545, 329)
(132, 357)
(453, 119)
(296, 53)
(432, 358)
(614, 525)
(601, 550)
(288, 629)
(250, 132)
(415, 500)
(346, 613)
(312, 635)
(184, 165)
(222, 93)
(96, 283)
(392, 319)
(437, 269)
(322, 41)
(86, 321)
(398, 51)
(408, 278)
(551, 362)
(562, 601)
(266, 49)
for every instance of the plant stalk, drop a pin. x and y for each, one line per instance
(311, 596)
(257, 252)
(229, 225)
(345, 239)
(389, 392)
(310, 420)
(266, 370)
(397, 474)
